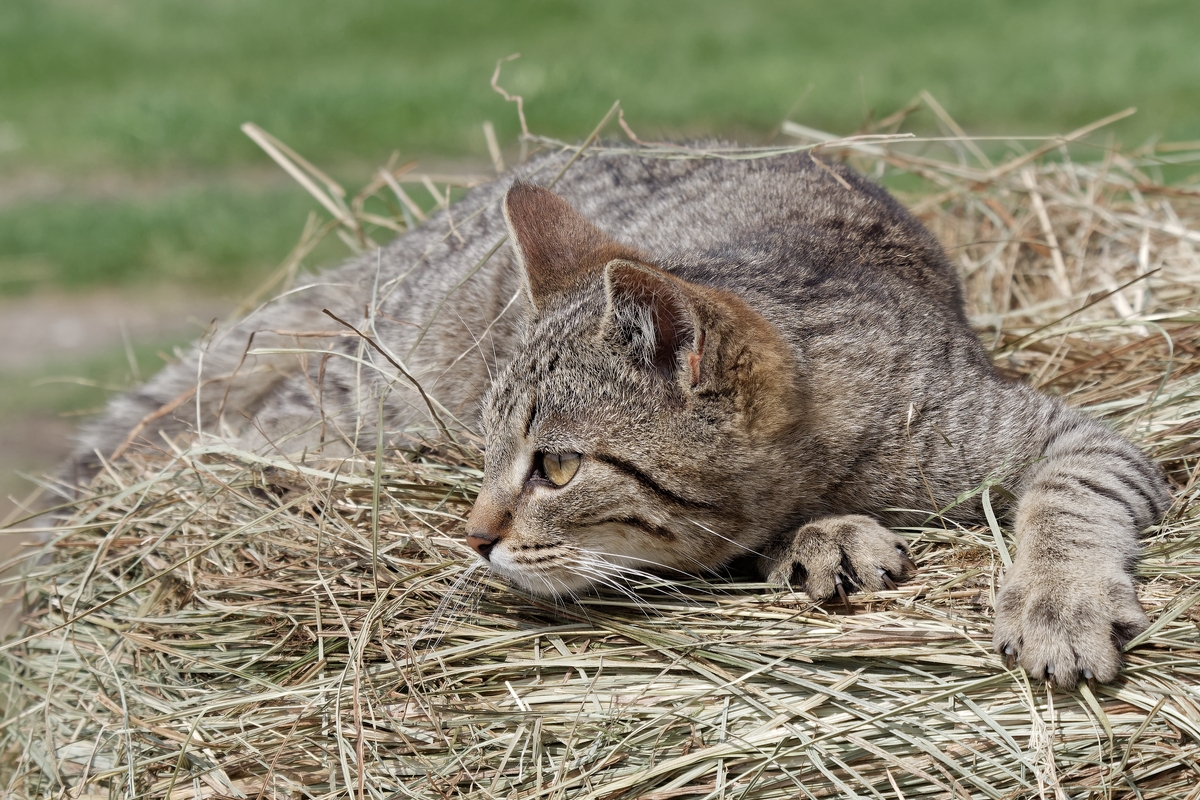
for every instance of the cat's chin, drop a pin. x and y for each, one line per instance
(544, 584)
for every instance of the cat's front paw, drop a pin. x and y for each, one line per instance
(837, 556)
(1065, 625)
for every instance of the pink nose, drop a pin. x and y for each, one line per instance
(483, 543)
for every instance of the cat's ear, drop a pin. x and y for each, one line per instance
(653, 311)
(555, 243)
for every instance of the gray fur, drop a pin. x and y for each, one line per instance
(759, 361)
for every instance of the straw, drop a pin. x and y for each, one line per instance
(222, 624)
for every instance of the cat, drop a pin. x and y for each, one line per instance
(677, 362)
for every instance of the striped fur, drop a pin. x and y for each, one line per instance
(762, 357)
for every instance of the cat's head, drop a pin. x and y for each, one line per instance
(640, 427)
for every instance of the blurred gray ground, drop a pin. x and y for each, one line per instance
(46, 327)
(53, 328)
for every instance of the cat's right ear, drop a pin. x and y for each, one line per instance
(651, 310)
(557, 246)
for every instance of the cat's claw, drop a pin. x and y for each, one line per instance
(841, 590)
(886, 578)
(1010, 656)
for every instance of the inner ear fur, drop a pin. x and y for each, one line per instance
(556, 245)
(657, 311)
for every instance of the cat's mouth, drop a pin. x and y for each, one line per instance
(570, 571)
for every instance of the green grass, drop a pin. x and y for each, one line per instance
(149, 87)
(220, 239)
(150, 83)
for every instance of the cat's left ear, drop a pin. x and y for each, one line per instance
(654, 312)
(556, 245)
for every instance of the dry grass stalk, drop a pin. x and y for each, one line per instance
(233, 638)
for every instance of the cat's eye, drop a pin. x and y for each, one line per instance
(560, 467)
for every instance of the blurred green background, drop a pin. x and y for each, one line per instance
(123, 174)
(123, 163)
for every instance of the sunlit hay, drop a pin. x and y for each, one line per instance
(215, 625)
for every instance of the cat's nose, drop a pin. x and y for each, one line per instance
(483, 543)
(489, 521)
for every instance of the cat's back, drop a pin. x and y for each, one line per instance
(751, 222)
(783, 227)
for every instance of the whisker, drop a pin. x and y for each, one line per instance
(602, 571)
(452, 603)
(599, 577)
(551, 591)
(672, 573)
(612, 569)
(630, 577)
(739, 545)
(702, 567)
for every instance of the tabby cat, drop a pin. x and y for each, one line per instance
(674, 363)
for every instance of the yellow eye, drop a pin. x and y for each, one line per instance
(560, 467)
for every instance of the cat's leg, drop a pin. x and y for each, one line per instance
(1068, 604)
(837, 555)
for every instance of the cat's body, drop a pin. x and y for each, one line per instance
(702, 359)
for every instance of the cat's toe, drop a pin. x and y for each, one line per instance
(1064, 628)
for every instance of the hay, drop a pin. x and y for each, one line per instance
(226, 625)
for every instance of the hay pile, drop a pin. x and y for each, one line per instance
(224, 625)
